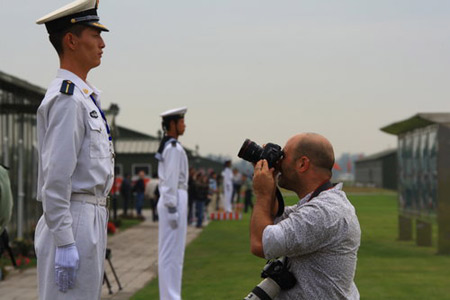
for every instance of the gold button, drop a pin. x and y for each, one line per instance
(85, 91)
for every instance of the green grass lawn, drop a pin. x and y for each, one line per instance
(219, 265)
(390, 269)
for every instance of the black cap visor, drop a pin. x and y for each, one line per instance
(96, 25)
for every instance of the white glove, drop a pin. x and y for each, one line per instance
(66, 266)
(173, 217)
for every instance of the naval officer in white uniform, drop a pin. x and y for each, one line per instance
(172, 205)
(227, 175)
(76, 161)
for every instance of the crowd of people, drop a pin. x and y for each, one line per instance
(205, 194)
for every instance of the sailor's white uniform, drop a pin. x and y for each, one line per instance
(173, 179)
(227, 175)
(76, 164)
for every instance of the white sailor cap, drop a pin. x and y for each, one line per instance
(78, 12)
(174, 113)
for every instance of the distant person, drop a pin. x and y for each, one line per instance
(248, 202)
(125, 192)
(201, 197)
(172, 205)
(191, 195)
(139, 190)
(214, 199)
(320, 235)
(227, 175)
(76, 161)
(237, 184)
(152, 194)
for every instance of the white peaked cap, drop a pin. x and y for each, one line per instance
(174, 112)
(78, 12)
(69, 9)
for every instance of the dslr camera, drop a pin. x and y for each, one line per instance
(277, 278)
(252, 152)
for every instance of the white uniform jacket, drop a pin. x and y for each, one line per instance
(75, 153)
(227, 179)
(227, 175)
(173, 173)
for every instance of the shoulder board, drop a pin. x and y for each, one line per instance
(67, 87)
(174, 143)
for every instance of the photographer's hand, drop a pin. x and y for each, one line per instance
(264, 180)
(264, 186)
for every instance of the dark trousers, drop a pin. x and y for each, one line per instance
(154, 203)
(190, 209)
(248, 200)
(139, 203)
(126, 203)
(236, 191)
(199, 210)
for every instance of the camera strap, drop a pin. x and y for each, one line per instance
(323, 187)
(280, 202)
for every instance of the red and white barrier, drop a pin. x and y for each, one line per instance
(219, 216)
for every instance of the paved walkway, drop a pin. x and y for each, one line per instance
(134, 257)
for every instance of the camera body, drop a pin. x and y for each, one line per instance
(278, 270)
(252, 152)
(277, 277)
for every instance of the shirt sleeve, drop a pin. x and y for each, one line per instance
(169, 190)
(304, 231)
(60, 148)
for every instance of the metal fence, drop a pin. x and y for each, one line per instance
(19, 101)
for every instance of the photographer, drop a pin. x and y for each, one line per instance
(320, 234)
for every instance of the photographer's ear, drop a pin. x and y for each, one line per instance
(302, 164)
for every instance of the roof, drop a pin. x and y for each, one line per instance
(130, 141)
(130, 134)
(136, 146)
(378, 155)
(418, 121)
(26, 96)
(8, 81)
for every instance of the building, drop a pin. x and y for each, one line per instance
(378, 170)
(19, 101)
(424, 177)
(136, 151)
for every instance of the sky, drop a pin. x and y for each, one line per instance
(257, 69)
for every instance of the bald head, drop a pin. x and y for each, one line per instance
(317, 148)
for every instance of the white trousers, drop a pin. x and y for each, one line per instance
(171, 244)
(89, 231)
(227, 194)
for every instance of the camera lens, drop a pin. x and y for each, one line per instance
(250, 151)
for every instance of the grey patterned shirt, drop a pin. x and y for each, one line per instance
(321, 239)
